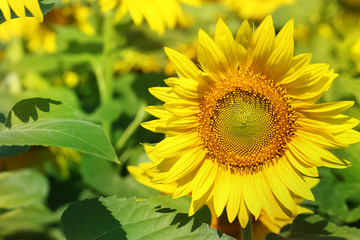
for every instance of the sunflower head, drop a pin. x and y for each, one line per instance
(242, 129)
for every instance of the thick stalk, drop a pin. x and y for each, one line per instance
(247, 231)
(104, 70)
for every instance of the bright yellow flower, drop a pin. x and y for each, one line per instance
(255, 9)
(18, 6)
(159, 14)
(243, 129)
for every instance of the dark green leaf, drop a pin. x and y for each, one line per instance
(314, 227)
(7, 151)
(89, 219)
(40, 121)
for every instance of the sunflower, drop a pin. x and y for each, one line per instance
(158, 14)
(18, 6)
(255, 9)
(243, 130)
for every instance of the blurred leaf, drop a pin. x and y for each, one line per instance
(7, 151)
(105, 178)
(106, 112)
(45, 5)
(143, 220)
(89, 219)
(40, 121)
(313, 227)
(333, 195)
(33, 218)
(21, 188)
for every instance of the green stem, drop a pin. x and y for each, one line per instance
(140, 116)
(104, 70)
(247, 231)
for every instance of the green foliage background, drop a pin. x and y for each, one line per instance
(99, 117)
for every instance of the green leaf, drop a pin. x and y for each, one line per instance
(45, 5)
(21, 188)
(121, 218)
(311, 226)
(143, 220)
(41, 121)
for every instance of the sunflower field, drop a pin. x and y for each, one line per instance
(179, 119)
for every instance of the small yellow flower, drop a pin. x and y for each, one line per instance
(134, 60)
(18, 6)
(158, 14)
(242, 129)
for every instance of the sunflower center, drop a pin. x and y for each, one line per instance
(246, 121)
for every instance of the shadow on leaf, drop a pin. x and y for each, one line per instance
(27, 108)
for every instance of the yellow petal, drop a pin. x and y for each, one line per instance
(188, 88)
(286, 33)
(143, 175)
(297, 67)
(348, 137)
(280, 191)
(235, 196)
(158, 111)
(34, 7)
(222, 190)
(251, 194)
(244, 213)
(164, 94)
(18, 6)
(304, 168)
(225, 40)
(293, 179)
(280, 59)
(264, 38)
(244, 35)
(186, 164)
(184, 67)
(4, 7)
(309, 156)
(211, 57)
(325, 110)
(185, 185)
(204, 179)
(175, 146)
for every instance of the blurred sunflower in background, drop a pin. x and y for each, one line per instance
(19, 6)
(255, 9)
(157, 13)
(243, 130)
(45, 39)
